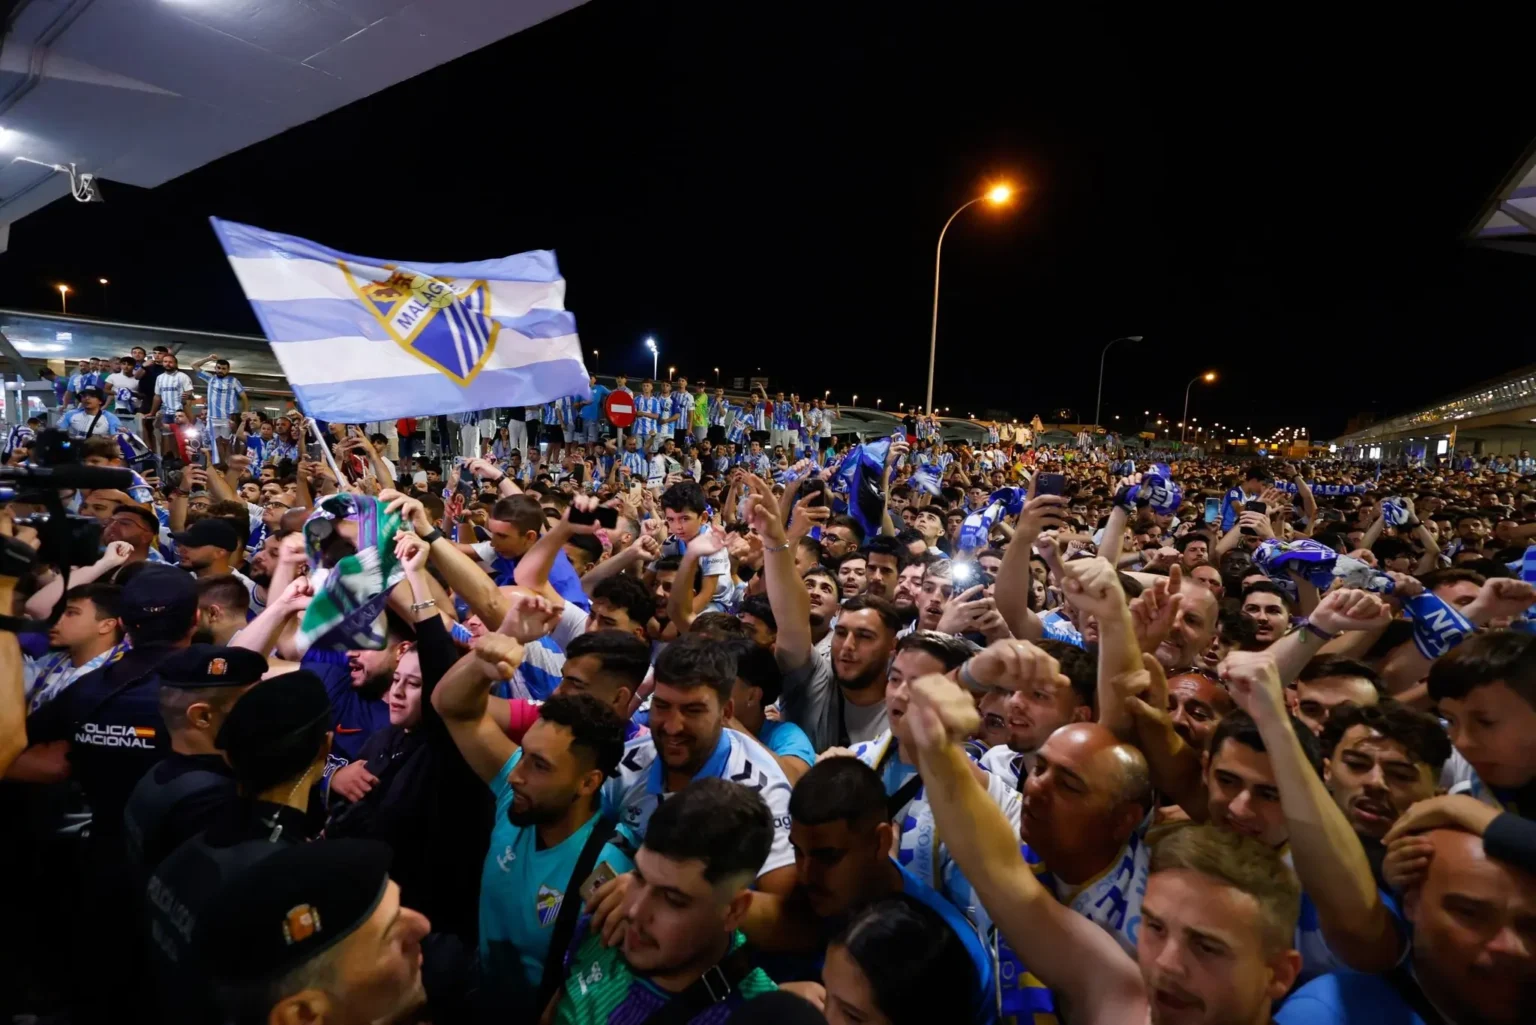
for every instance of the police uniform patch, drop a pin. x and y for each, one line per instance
(547, 904)
(443, 322)
(300, 923)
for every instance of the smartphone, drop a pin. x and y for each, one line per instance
(1212, 510)
(601, 875)
(604, 516)
(985, 580)
(816, 490)
(1050, 484)
(1253, 505)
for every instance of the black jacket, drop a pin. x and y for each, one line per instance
(428, 805)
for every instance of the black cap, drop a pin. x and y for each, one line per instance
(211, 530)
(209, 665)
(291, 907)
(272, 711)
(158, 591)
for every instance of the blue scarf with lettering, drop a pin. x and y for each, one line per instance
(1437, 625)
(1312, 559)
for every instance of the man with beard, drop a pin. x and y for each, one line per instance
(908, 580)
(222, 607)
(207, 549)
(885, 558)
(862, 643)
(356, 682)
(1036, 712)
(548, 825)
(1472, 950)
(689, 740)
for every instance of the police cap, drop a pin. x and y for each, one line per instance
(158, 592)
(210, 665)
(291, 907)
(279, 706)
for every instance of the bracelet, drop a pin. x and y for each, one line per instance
(780, 548)
(430, 603)
(1313, 628)
(432, 535)
(970, 681)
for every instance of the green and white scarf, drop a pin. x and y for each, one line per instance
(347, 610)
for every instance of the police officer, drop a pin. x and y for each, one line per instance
(110, 718)
(276, 740)
(316, 934)
(179, 796)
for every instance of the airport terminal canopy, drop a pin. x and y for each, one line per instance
(142, 91)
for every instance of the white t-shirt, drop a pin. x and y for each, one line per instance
(636, 792)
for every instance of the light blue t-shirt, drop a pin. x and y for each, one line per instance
(1347, 998)
(786, 740)
(521, 890)
(594, 408)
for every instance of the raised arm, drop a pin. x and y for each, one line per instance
(1329, 858)
(1094, 587)
(786, 593)
(462, 700)
(1065, 950)
(1011, 591)
(462, 573)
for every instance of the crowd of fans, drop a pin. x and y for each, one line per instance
(538, 723)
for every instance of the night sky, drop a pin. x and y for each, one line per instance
(762, 186)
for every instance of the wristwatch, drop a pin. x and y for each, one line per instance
(432, 535)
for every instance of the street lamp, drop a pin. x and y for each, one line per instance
(650, 343)
(595, 360)
(670, 372)
(64, 298)
(997, 195)
(1208, 377)
(1099, 400)
(877, 403)
(717, 377)
(103, 294)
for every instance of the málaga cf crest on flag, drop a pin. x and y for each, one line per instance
(365, 339)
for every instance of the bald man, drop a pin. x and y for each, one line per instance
(1193, 628)
(1474, 950)
(1085, 805)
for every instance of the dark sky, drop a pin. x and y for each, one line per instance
(762, 186)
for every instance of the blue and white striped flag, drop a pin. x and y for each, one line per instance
(363, 339)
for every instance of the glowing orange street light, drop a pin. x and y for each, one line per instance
(64, 291)
(997, 195)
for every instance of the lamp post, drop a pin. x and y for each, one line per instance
(650, 343)
(64, 298)
(997, 195)
(670, 372)
(1097, 401)
(717, 377)
(1207, 377)
(595, 360)
(103, 294)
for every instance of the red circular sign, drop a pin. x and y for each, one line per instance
(619, 407)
